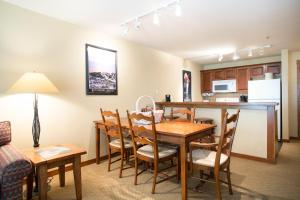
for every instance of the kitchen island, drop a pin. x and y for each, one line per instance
(256, 134)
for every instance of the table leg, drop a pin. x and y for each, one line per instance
(62, 170)
(77, 177)
(42, 182)
(183, 171)
(97, 144)
(29, 183)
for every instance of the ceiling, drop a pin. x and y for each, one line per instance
(205, 29)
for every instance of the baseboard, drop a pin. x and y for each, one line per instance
(285, 140)
(251, 157)
(295, 138)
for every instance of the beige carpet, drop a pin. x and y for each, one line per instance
(251, 180)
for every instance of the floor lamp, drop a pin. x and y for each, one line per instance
(32, 82)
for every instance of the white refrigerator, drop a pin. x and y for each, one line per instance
(267, 91)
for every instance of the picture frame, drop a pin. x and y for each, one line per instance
(187, 85)
(101, 70)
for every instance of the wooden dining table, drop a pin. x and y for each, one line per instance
(173, 132)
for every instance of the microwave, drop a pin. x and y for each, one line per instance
(224, 86)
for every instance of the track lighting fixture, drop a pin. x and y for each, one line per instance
(136, 22)
(125, 29)
(235, 56)
(156, 20)
(178, 11)
(220, 57)
(250, 53)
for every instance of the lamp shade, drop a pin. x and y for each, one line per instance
(32, 82)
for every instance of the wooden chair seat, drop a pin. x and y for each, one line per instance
(163, 151)
(206, 158)
(117, 143)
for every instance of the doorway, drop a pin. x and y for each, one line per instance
(298, 95)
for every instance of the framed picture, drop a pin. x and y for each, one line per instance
(187, 85)
(101, 71)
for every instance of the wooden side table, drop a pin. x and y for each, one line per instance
(42, 164)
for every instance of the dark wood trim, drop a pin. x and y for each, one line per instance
(286, 140)
(294, 138)
(298, 96)
(254, 158)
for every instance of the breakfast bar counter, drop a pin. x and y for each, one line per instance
(256, 136)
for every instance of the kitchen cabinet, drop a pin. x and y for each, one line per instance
(230, 73)
(242, 75)
(274, 68)
(206, 81)
(219, 75)
(242, 79)
(256, 72)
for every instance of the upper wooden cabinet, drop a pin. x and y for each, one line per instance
(242, 79)
(274, 68)
(256, 72)
(206, 81)
(218, 74)
(230, 73)
(241, 74)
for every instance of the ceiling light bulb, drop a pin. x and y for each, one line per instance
(250, 53)
(156, 20)
(178, 10)
(220, 58)
(137, 24)
(125, 30)
(235, 56)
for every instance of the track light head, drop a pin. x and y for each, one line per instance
(156, 20)
(250, 53)
(125, 29)
(178, 10)
(235, 56)
(137, 24)
(220, 57)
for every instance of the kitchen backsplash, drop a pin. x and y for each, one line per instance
(224, 95)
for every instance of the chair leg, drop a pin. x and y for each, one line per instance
(109, 158)
(122, 163)
(154, 176)
(229, 180)
(136, 170)
(218, 186)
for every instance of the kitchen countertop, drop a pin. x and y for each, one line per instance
(242, 105)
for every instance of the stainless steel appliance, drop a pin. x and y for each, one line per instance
(224, 86)
(267, 91)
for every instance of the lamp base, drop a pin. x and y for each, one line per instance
(36, 124)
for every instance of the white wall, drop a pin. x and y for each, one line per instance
(30, 41)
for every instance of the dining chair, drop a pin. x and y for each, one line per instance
(115, 139)
(218, 157)
(183, 114)
(151, 152)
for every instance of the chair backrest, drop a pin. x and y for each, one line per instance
(184, 114)
(228, 129)
(142, 135)
(112, 124)
(5, 132)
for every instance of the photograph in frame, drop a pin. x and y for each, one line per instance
(101, 71)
